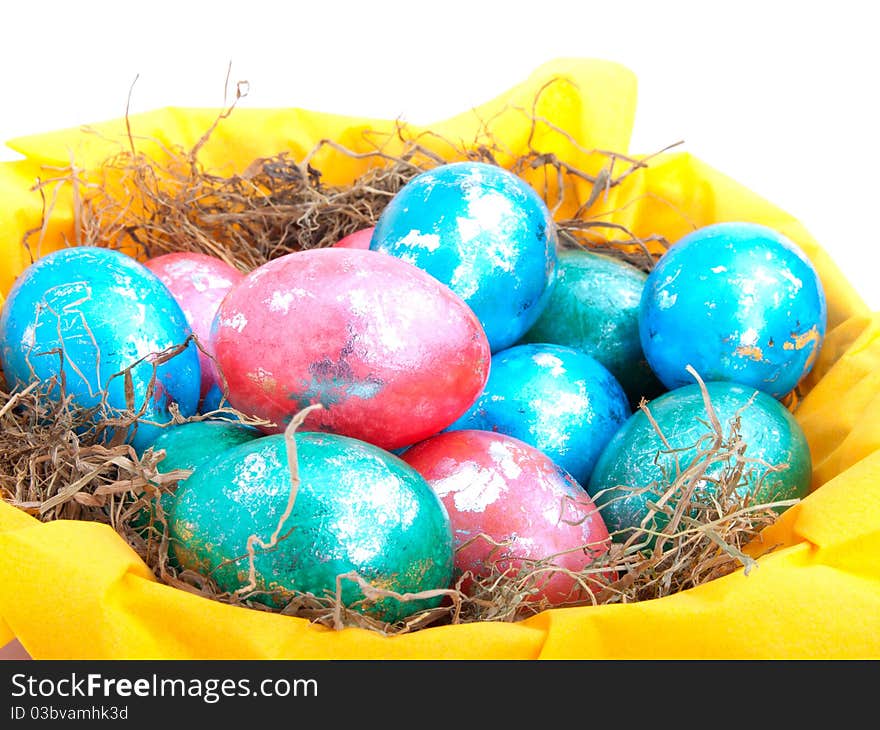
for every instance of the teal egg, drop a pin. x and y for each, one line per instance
(357, 508)
(636, 467)
(188, 446)
(594, 307)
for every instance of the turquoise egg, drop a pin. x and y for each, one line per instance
(557, 399)
(358, 508)
(83, 316)
(637, 466)
(594, 307)
(188, 446)
(482, 231)
(736, 301)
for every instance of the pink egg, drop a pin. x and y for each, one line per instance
(497, 487)
(358, 239)
(198, 282)
(392, 354)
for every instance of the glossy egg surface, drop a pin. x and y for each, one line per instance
(512, 508)
(198, 282)
(638, 466)
(188, 446)
(89, 315)
(737, 302)
(594, 307)
(557, 399)
(357, 508)
(392, 354)
(485, 233)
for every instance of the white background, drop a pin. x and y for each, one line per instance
(782, 96)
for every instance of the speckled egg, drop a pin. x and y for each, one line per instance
(637, 466)
(357, 508)
(512, 508)
(198, 282)
(188, 446)
(393, 355)
(594, 307)
(108, 314)
(557, 399)
(736, 301)
(485, 233)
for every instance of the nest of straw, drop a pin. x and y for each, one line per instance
(55, 465)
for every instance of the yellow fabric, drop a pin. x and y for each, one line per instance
(75, 590)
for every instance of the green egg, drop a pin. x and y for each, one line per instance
(594, 307)
(187, 446)
(357, 508)
(776, 458)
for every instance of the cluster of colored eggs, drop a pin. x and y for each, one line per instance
(479, 387)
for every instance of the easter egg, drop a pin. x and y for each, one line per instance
(187, 446)
(557, 399)
(511, 508)
(357, 508)
(736, 301)
(594, 307)
(393, 355)
(485, 233)
(198, 282)
(637, 466)
(99, 321)
(358, 239)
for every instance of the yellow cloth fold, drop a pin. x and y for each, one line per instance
(76, 590)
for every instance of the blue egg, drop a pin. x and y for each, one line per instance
(483, 232)
(738, 302)
(83, 316)
(558, 399)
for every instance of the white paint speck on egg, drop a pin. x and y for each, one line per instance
(665, 300)
(502, 454)
(749, 337)
(489, 209)
(468, 229)
(417, 239)
(472, 488)
(181, 267)
(279, 302)
(125, 292)
(549, 361)
(28, 337)
(361, 553)
(237, 322)
(358, 301)
(793, 279)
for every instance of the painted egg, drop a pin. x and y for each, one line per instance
(198, 282)
(107, 314)
(358, 239)
(736, 301)
(557, 399)
(512, 509)
(638, 467)
(485, 233)
(594, 307)
(357, 508)
(393, 355)
(188, 446)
